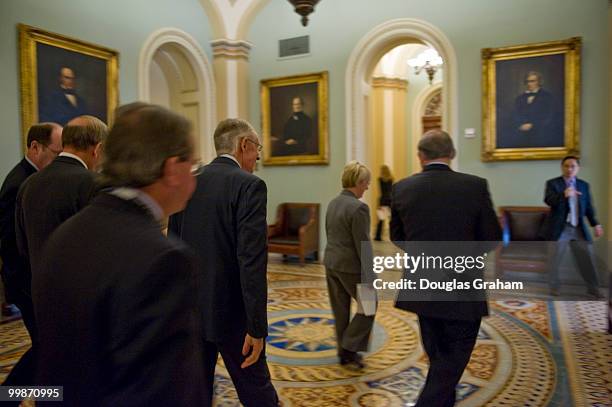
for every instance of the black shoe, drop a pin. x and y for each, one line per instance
(351, 359)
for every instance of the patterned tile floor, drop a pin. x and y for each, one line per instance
(528, 353)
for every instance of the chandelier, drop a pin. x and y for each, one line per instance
(303, 8)
(429, 61)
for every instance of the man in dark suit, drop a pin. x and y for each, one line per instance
(440, 204)
(64, 103)
(63, 188)
(569, 199)
(297, 133)
(533, 117)
(115, 300)
(44, 143)
(225, 222)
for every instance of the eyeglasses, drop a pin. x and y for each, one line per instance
(197, 168)
(259, 146)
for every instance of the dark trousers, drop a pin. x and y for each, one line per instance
(23, 373)
(253, 384)
(379, 228)
(582, 250)
(448, 344)
(351, 334)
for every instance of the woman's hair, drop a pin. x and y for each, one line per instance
(353, 173)
(385, 173)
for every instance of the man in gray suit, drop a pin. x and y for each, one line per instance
(347, 254)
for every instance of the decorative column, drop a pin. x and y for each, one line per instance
(230, 65)
(388, 133)
(389, 129)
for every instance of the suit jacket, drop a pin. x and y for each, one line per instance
(298, 127)
(559, 208)
(347, 225)
(225, 223)
(541, 114)
(46, 200)
(58, 109)
(11, 261)
(440, 204)
(116, 308)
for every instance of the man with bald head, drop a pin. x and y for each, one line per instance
(44, 143)
(440, 205)
(63, 188)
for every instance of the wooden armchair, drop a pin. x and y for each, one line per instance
(296, 230)
(523, 249)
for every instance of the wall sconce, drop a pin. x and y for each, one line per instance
(428, 60)
(303, 8)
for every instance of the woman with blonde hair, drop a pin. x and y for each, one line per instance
(347, 224)
(385, 181)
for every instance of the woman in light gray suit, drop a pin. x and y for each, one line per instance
(347, 225)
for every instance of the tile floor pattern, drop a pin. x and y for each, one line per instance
(528, 353)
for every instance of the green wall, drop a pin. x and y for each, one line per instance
(120, 25)
(337, 26)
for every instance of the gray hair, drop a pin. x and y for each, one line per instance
(143, 137)
(436, 144)
(536, 74)
(84, 132)
(228, 134)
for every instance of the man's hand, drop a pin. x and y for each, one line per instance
(599, 231)
(526, 127)
(569, 192)
(290, 142)
(255, 346)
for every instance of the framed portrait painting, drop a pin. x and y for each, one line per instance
(62, 78)
(294, 120)
(531, 101)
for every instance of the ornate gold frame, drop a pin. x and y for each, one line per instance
(28, 38)
(571, 48)
(317, 159)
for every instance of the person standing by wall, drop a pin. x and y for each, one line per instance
(385, 182)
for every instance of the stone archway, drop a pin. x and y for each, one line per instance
(364, 57)
(183, 82)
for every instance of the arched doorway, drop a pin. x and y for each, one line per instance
(174, 72)
(362, 62)
(363, 98)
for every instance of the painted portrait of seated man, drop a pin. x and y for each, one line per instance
(535, 119)
(297, 137)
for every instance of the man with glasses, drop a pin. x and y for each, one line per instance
(64, 187)
(225, 222)
(44, 143)
(116, 301)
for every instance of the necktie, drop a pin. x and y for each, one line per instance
(572, 216)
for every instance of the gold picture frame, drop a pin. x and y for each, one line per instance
(294, 120)
(53, 66)
(531, 101)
